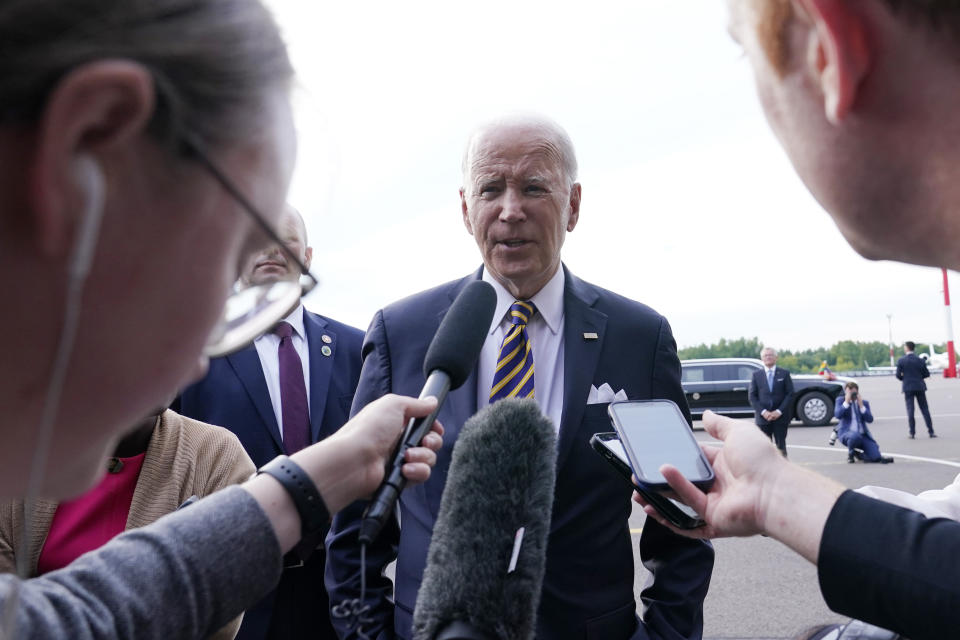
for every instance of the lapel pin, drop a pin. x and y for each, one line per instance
(590, 335)
(325, 350)
(327, 339)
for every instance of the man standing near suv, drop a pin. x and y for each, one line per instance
(771, 394)
(912, 370)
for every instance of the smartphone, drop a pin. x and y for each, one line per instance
(653, 433)
(680, 515)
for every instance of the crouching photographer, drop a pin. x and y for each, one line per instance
(854, 415)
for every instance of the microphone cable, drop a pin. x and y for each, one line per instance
(355, 611)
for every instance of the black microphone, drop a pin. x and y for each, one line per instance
(450, 358)
(487, 556)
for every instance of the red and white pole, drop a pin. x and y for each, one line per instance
(951, 370)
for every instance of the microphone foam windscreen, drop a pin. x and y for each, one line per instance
(501, 478)
(457, 343)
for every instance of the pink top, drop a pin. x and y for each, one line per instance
(91, 520)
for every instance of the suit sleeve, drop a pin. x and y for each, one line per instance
(342, 574)
(788, 394)
(926, 370)
(754, 395)
(891, 567)
(868, 414)
(839, 410)
(899, 373)
(681, 567)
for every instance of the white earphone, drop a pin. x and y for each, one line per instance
(93, 184)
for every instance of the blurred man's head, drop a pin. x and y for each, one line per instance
(271, 265)
(769, 356)
(520, 198)
(909, 346)
(862, 96)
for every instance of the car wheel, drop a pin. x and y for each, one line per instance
(814, 409)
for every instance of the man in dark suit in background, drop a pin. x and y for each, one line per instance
(291, 388)
(573, 347)
(911, 369)
(771, 395)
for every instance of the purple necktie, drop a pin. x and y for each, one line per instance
(293, 393)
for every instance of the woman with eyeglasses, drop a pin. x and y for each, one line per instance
(146, 148)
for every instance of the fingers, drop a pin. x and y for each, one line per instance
(686, 491)
(432, 441)
(416, 472)
(416, 407)
(717, 426)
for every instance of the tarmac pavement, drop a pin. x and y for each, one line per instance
(760, 590)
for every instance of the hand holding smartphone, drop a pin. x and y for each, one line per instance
(650, 433)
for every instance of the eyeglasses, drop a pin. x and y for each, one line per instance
(250, 311)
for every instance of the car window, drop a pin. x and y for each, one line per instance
(722, 372)
(692, 374)
(745, 372)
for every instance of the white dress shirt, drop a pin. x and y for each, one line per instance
(267, 346)
(545, 331)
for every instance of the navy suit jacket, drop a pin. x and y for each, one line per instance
(234, 395)
(911, 369)
(588, 586)
(846, 418)
(780, 398)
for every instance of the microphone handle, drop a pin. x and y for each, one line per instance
(384, 500)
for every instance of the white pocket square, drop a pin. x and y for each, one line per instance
(604, 394)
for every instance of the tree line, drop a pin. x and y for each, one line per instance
(846, 355)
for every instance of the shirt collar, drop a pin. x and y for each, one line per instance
(549, 300)
(769, 369)
(295, 320)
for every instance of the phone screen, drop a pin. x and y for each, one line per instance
(658, 434)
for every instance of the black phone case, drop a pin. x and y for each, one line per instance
(663, 505)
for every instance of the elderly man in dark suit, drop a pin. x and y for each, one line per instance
(573, 347)
(290, 388)
(912, 370)
(771, 395)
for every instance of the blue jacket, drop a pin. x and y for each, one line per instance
(911, 369)
(588, 589)
(234, 395)
(848, 423)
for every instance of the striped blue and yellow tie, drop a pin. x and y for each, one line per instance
(513, 377)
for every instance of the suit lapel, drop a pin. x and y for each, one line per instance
(321, 368)
(580, 357)
(246, 364)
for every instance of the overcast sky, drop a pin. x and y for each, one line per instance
(689, 204)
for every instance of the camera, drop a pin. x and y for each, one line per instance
(853, 395)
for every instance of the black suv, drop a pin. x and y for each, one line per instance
(722, 384)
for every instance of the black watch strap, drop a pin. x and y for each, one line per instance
(314, 516)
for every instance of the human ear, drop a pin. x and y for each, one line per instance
(839, 52)
(574, 206)
(92, 112)
(466, 214)
(308, 257)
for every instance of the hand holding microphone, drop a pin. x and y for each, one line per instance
(450, 358)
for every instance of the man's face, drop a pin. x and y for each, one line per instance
(518, 204)
(769, 357)
(271, 265)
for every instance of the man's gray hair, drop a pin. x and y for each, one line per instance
(552, 132)
(768, 349)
